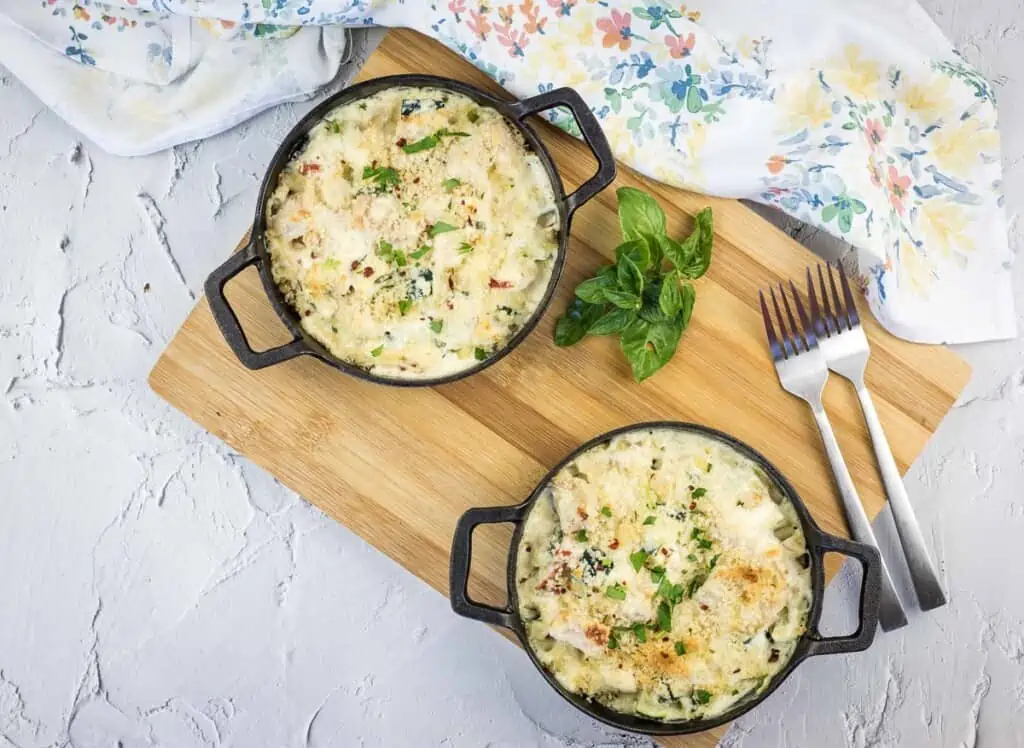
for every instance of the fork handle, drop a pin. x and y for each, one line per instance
(890, 612)
(922, 572)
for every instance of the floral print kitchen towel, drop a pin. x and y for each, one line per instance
(857, 118)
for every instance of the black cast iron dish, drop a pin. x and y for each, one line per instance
(812, 643)
(256, 253)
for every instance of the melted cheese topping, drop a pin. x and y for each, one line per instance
(415, 232)
(663, 574)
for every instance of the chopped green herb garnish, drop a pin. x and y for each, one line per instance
(613, 640)
(701, 696)
(441, 228)
(331, 264)
(581, 536)
(713, 562)
(479, 354)
(664, 616)
(473, 115)
(637, 559)
(695, 533)
(333, 126)
(690, 557)
(399, 257)
(698, 492)
(650, 520)
(436, 324)
(385, 250)
(404, 305)
(419, 253)
(640, 632)
(695, 584)
(382, 176)
(657, 574)
(377, 351)
(708, 468)
(465, 248)
(704, 544)
(671, 592)
(451, 184)
(606, 511)
(425, 144)
(680, 649)
(616, 592)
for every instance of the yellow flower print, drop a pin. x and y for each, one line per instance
(581, 27)
(914, 268)
(943, 226)
(928, 100)
(859, 77)
(805, 105)
(955, 147)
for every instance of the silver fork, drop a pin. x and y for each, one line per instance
(803, 373)
(845, 348)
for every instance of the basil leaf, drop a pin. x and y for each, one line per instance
(423, 144)
(479, 354)
(441, 228)
(637, 250)
(629, 276)
(705, 229)
(664, 616)
(640, 216)
(701, 696)
(689, 297)
(404, 305)
(657, 574)
(698, 492)
(650, 519)
(616, 592)
(640, 632)
(578, 318)
(436, 325)
(377, 351)
(651, 311)
(592, 290)
(451, 184)
(670, 300)
(679, 254)
(622, 299)
(606, 511)
(419, 253)
(581, 536)
(637, 559)
(680, 648)
(649, 346)
(612, 322)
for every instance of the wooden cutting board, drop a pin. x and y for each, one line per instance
(399, 466)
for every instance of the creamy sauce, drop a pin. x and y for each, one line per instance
(663, 574)
(415, 233)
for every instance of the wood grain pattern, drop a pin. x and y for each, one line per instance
(399, 466)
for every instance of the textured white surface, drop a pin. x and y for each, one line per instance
(158, 590)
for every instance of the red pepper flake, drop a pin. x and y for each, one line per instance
(703, 606)
(367, 271)
(355, 264)
(500, 284)
(450, 305)
(309, 168)
(416, 180)
(451, 283)
(614, 544)
(693, 505)
(313, 255)
(401, 142)
(582, 512)
(664, 551)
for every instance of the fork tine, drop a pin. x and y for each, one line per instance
(816, 321)
(835, 298)
(831, 327)
(769, 328)
(809, 338)
(792, 322)
(851, 308)
(788, 345)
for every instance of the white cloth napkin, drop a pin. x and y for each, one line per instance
(858, 118)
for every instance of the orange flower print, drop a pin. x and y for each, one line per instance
(564, 7)
(80, 13)
(616, 30)
(898, 187)
(678, 46)
(874, 132)
(777, 163)
(478, 24)
(532, 25)
(109, 20)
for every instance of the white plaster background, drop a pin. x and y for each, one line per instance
(158, 590)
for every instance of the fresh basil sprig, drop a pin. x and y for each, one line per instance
(645, 297)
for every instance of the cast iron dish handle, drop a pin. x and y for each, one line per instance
(462, 556)
(228, 322)
(870, 589)
(592, 134)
